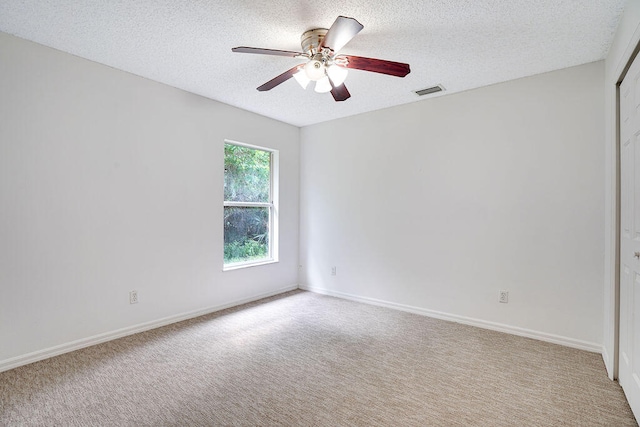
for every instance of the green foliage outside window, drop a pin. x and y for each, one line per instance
(247, 178)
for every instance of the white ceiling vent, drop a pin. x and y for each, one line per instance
(429, 90)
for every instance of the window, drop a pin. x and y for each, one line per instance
(250, 205)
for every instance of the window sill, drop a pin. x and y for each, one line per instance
(248, 264)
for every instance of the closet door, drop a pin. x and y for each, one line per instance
(629, 372)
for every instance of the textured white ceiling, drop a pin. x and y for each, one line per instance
(460, 44)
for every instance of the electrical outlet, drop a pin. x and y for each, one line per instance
(133, 297)
(334, 271)
(503, 297)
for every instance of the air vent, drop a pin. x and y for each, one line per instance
(429, 90)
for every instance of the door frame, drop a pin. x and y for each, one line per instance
(632, 51)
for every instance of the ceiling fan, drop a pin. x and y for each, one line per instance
(324, 66)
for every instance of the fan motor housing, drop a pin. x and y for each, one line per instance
(311, 40)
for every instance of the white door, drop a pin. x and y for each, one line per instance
(629, 363)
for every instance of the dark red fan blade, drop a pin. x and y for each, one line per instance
(341, 32)
(340, 93)
(244, 49)
(279, 79)
(381, 66)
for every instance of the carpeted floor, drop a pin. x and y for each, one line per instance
(303, 359)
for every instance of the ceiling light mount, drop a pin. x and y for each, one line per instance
(312, 39)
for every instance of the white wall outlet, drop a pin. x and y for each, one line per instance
(334, 270)
(503, 297)
(133, 297)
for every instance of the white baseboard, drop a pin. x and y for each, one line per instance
(605, 358)
(35, 356)
(608, 363)
(494, 326)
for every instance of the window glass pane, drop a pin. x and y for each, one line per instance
(246, 234)
(247, 176)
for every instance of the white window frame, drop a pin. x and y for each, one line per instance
(273, 204)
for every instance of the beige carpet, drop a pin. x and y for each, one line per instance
(303, 359)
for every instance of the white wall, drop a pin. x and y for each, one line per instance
(625, 42)
(110, 182)
(435, 206)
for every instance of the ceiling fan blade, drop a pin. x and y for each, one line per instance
(340, 93)
(341, 32)
(381, 66)
(279, 79)
(244, 49)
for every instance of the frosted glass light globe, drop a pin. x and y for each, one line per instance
(337, 74)
(323, 85)
(302, 79)
(314, 69)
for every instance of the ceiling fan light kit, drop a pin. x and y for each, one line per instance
(315, 69)
(324, 66)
